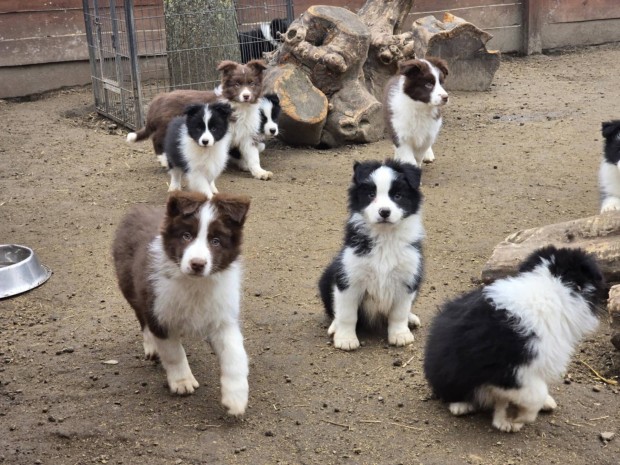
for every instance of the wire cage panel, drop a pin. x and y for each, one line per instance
(139, 48)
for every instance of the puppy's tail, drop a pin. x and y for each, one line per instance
(142, 134)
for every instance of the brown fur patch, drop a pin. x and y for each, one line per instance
(236, 76)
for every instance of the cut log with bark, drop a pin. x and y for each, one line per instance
(599, 235)
(330, 45)
(388, 43)
(613, 306)
(462, 45)
(199, 34)
(304, 107)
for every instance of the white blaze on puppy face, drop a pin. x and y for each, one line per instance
(382, 209)
(197, 259)
(270, 128)
(206, 139)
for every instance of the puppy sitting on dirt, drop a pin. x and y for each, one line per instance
(499, 346)
(180, 271)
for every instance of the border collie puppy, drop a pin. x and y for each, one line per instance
(180, 271)
(609, 174)
(265, 38)
(375, 277)
(197, 145)
(500, 345)
(412, 108)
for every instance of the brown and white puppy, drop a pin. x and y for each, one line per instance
(180, 270)
(412, 108)
(241, 86)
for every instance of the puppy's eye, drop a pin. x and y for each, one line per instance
(236, 86)
(187, 236)
(429, 85)
(252, 84)
(398, 196)
(372, 195)
(215, 241)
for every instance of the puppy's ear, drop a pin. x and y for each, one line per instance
(273, 98)
(610, 128)
(440, 64)
(184, 203)
(257, 66)
(413, 175)
(363, 170)
(226, 66)
(191, 110)
(222, 108)
(232, 208)
(410, 68)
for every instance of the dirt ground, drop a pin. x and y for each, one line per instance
(522, 155)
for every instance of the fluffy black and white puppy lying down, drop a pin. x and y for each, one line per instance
(265, 38)
(609, 173)
(499, 346)
(376, 275)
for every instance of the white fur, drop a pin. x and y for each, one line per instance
(271, 127)
(540, 303)
(377, 281)
(206, 306)
(244, 136)
(266, 31)
(206, 160)
(415, 124)
(609, 181)
(132, 137)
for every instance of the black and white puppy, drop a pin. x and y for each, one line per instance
(609, 173)
(376, 276)
(269, 107)
(499, 346)
(197, 144)
(265, 38)
(179, 269)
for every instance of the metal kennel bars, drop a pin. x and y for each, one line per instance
(139, 48)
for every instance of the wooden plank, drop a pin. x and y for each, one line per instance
(19, 81)
(488, 17)
(16, 26)
(583, 33)
(429, 6)
(16, 6)
(532, 25)
(568, 11)
(505, 39)
(43, 50)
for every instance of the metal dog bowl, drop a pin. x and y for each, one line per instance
(20, 270)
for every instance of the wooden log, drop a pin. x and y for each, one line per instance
(330, 44)
(304, 107)
(462, 45)
(388, 43)
(613, 306)
(599, 235)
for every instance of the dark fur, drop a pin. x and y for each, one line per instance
(472, 343)
(360, 195)
(611, 133)
(275, 111)
(253, 43)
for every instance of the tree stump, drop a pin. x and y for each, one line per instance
(613, 306)
(462, 45)
(388, 44)
(330, 44)
(599, 235)
(199, 34)
(304, 107)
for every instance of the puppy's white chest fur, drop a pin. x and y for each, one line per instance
(415, 123)
(247, 124)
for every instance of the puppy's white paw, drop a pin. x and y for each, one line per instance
(262, 175)
(428, 157)
(507, 426)
(332, 328)
(549, 405)
(611, 206)
(235, 401)
(346, 343)
(163, 160)
(183, 386)
(461, 408)
(413, 321)
(401, 339)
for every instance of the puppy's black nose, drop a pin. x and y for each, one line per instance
(197, 265)
(272, 130)
(384, 212)
(246, 97)
(444, 98)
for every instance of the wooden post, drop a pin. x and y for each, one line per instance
(532, 25)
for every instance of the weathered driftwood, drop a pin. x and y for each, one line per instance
(304, 107)
(462, 45)
(388, 43)
(613, 306)
(199, 34)
(330, 44)
(599, 235)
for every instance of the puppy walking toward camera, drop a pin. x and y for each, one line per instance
(197, 145)
(499, 346)
(375, 277)
(412, 108)
(180, 271)
(609, 173)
